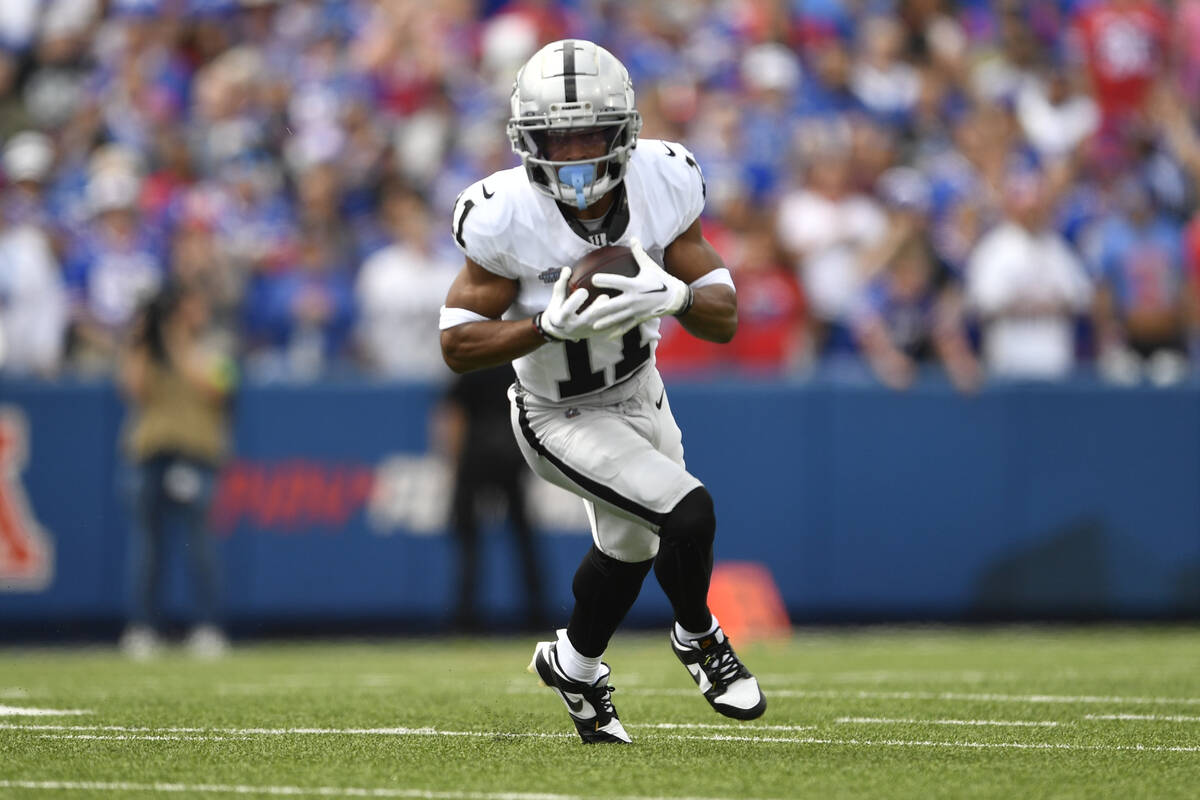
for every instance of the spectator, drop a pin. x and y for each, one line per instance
(772, 335)
(1055, 117)
(903, 322)
(114, 263)
(28, 159)
(178, 392)
(1027, 287)
(1125, 45)
(828, 229)
(910, 313)
(33, 304)
(303, 316)
(1000, 74)
(1143, 291)
(1186, 42)
(282, 117)
(886, 85)
(399, 290)
(33, 299)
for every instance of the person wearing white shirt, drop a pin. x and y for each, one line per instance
(1055, 118)
(399, 290)
(33, 304)
(1027, 285)
(830, 232)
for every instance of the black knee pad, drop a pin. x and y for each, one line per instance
(598, 566)
(693, 518)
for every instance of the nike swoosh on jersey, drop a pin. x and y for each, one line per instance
(661, 397)
(486, 194)
(670, 152)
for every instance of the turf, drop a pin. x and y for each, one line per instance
(865, 713)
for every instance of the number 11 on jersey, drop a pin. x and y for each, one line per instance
(581, 379)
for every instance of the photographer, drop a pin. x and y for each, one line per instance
(178, 393)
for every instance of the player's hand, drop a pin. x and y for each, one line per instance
(653, 292)
(562, 320)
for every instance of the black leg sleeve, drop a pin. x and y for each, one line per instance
(605, 589)
(685, 558)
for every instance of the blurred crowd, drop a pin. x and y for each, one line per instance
(993, 188)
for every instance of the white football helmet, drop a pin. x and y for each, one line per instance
(571, 85)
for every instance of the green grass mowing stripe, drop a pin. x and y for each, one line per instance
(312, 791)
(1137, 748)
(395, 731)
(233, 733)
(1141, 718)
(969, 722)
(141, 737)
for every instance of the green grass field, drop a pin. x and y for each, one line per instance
(1087, 713)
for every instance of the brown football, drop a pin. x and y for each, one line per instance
(613, 259)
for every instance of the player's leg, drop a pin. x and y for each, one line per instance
(683, 565)
(628, 486)
(683, 568)
(606, 584)
(608, 457)
(684, 562)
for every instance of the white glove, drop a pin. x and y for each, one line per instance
(653, 292)
(562, 320)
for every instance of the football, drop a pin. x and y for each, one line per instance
(613, 259)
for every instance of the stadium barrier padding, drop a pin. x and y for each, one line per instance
(1026, 501)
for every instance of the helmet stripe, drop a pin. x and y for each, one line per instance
(569, 91)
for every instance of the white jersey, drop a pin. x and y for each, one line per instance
(509, 228)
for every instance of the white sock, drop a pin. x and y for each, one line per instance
(584, 669)
(687, 636)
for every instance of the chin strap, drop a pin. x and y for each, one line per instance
(578, 176)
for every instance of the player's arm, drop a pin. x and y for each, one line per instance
(485, 340)
(713, 312)
(473, 337)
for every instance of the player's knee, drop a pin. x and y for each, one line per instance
(692, 518)
(602, 567)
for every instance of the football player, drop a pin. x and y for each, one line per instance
(588, 408)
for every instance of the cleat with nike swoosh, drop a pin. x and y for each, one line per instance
(722, 677)
(590, 706)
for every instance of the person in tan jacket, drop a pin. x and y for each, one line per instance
(177, 436)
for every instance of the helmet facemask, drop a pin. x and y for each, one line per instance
(604, 105)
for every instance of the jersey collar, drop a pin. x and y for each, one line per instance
(613, 226)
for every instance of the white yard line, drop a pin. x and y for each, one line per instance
(1137, 748)
(219, 733)
(1142, 717)
(144, 732)
(667, 726)
(1013, 723)
(982, 697)
(21, 711)
(302, 791)
(141, 737)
